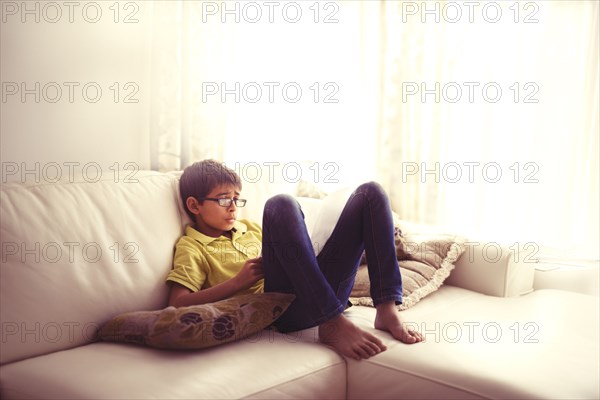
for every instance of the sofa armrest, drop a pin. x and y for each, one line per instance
(494, 270)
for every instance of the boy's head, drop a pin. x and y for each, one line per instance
(201, 178)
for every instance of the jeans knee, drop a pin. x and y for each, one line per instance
(281, 204)
(371, 187)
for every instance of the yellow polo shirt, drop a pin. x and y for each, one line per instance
(203, 261)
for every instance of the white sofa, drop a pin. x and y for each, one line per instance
(77, 253)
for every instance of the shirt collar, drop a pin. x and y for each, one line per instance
(239, 228)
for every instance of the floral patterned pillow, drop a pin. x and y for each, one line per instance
(201, 326)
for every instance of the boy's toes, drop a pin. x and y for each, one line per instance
(368, 349)
(413, 337)
(374, 340)
(372, 348)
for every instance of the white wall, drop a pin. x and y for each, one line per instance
(58, 45)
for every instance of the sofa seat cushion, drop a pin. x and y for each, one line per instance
(268, 365)
(542, 345)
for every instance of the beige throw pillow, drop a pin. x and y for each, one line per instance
(425, 261)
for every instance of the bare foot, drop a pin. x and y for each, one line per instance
(387, 319)
(348, 339)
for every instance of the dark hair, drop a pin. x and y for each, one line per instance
(200, 178)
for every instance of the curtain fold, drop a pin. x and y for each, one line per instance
(183, 127)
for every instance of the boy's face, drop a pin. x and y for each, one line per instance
(212, 219)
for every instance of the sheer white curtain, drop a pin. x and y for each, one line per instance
(286, 89)
(520, 165)
(370, 72)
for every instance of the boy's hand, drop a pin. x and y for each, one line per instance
(250, 273)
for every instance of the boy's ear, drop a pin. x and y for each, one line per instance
(192, 204)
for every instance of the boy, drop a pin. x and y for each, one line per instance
(219, 257)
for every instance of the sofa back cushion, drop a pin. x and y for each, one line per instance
(79, 252)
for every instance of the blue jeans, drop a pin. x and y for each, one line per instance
(322, 284)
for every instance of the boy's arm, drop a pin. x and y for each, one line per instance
(251, 272)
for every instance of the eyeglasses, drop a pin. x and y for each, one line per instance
(224, 202)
